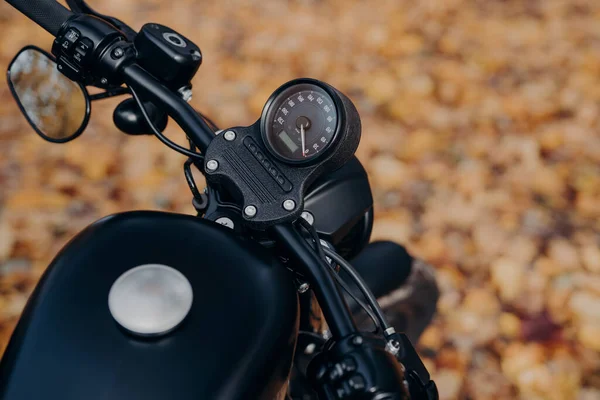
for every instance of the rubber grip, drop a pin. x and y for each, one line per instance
(49, 14)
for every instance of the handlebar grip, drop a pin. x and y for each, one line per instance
(49, 14)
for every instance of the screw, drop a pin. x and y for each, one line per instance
(186, 94)
(229, 136)
(250, 211)
(310, 348)
(303, 288)
(118, 52)
(60, 67)
(212, 165)
(357, 340)
(289, 204)
(308, 217)
(225, 222)
(104, 81)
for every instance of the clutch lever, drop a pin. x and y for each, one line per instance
(81, 7)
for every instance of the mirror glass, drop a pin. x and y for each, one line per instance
(56, 107)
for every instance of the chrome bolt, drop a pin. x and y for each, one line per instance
(310, 348)
(308, 217)
(212, 165)
(186, 94)
(104, 81)
(250, 211)
(229, 136)
(225, 222)
(289, 205)
(118, 52)
(357, 340)
(303, 288)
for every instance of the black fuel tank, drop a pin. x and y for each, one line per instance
(237, 341)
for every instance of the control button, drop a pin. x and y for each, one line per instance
(280, 179)
(349, 364)
(336, 373)
(69, 70)
(259, 156)
(266, 164)
(252, 148)
(72, 35)
(357, 382)
(273, 171)
(82, 49)
(287, 186)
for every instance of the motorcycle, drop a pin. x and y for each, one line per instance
(243, 300)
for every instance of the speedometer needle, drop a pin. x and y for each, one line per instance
(302, 136)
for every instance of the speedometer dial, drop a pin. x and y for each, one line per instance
(300, 122)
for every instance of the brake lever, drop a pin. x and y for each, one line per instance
(81, 7)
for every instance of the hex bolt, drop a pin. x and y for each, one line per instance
(104, 81)
(250, 211)
(229, 136)
(289, 205)
(212, 165)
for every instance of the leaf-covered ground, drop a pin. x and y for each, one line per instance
(480, 134)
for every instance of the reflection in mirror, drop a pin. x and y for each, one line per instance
(56, 106)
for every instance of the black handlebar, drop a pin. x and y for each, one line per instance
(49, 14)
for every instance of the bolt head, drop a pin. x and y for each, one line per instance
(229, 136)
(212, 165)
(250, 211)
(357, 340)
(308, 217)
(225, 222)
(118, 52)
(289, 205)
(303, 288)
(104, 81)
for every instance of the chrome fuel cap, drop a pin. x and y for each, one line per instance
(150, 299)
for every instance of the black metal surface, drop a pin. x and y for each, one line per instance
(167, 55)
(88, 103)
(357, 368)
(129, 119)
(338, 201)
(236, 343)
(80, 46)
(48, 14)
(81, 7)
(151, 89)
(330, 299)
(250, 174)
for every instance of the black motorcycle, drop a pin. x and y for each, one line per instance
(243, 301)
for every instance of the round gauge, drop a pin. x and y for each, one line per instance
(300, 122)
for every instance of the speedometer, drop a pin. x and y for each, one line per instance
(300, 122)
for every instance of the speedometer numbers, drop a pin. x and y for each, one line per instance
(300, 122)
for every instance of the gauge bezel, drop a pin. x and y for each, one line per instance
(269, 106)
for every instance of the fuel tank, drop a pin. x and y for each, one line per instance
(236, 341)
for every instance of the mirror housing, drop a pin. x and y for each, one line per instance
(57, 108)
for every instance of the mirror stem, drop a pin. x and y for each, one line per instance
(109, 93)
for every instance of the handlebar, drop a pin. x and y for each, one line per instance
(49, 14)
(150, 88)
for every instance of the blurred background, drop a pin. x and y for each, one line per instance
(480, 135)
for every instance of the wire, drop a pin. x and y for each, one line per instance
(361, 285)
(159, 135)
(321, 252)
